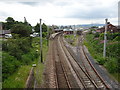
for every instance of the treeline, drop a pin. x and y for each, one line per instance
(25, 28)
(18, 50)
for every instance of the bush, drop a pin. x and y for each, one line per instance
(26, 59)
(21, 29)
(112, 60)
(97, 34)
(101, 60)
(117, 38)
(16, 51)
(112, 65)
(29, 57)
(113, 50)
(17, 47)
(9, 65)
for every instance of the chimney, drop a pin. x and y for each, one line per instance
(1, 26)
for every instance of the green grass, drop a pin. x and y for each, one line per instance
(0, 85)
(40, 67)
(18, 79)
(36, 44)
(39, 73)
(116, 76)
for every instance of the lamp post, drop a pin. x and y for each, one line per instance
(105, 39)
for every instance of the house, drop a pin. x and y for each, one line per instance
(118, 28)
(0, 25)
(4, 33)
(110, 28)
(68, 31)
(58, 30)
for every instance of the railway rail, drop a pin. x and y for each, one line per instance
(89, 68)
(61, 78)
(87, 82)
(92, 73)
(68, 73)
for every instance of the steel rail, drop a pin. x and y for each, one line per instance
(80, 68)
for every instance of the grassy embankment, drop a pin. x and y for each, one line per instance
(19, 77)
(94, 43)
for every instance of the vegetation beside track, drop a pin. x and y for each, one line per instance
(21, 51)
(71, 39)
(17, 70)
(94, 43)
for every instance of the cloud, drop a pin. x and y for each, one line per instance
(59, 11)
(2, 13)
(30, 3)
(95, 13)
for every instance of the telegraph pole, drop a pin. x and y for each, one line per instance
(74, 31)
(47, 35)
(41, 57)
(105, 38)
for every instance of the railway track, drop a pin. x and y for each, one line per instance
(86, 81)
(91, 71)
(68, 73)
(61, 77)
(89, 68)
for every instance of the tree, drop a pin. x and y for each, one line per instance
(37, 28)
(22, 29)
(44, 29)
(94, 27)
(10, 19)
(9, 24)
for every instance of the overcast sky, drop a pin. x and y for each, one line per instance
(60, 12)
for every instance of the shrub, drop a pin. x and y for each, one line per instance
(112, 60)
(117, 38)
(97, 34)
(112, 65)
(9, 65)
(21, 29)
